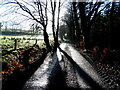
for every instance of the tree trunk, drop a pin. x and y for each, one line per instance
(87, 37)
(46, 40)
(78, 33)
(110, 45)
(84, 24)
(56, 44)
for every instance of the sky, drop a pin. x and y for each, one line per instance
(11, 19)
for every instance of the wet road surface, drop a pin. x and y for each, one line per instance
(65, 69)
(87, 77)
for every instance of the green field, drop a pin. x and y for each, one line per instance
(8, 42)
(13, 48)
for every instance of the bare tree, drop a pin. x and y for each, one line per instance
(37, 11)
(88, 16)
(55, 29)
(53, 7)
(77, 25)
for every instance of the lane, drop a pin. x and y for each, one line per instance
(68, 71)
(40, 79)
(47, 77)
(72, 70)
(85, 67)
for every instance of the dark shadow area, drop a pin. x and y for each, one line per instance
(18, 79)
(56, 79)
(93, 84)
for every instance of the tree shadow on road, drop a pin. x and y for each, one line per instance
(88, 79)
(56, 79)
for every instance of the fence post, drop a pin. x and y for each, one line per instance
(35, 41)
(15, 44)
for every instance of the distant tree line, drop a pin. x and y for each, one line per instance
(18, 32)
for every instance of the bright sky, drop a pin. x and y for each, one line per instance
(11, 19)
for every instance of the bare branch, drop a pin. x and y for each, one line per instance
(23, 15)
(7, 3)
(41, 10)
(24, 8)
(104, 7)
(92, 11)
(96, 12)
(30, 5)
(10, 10)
